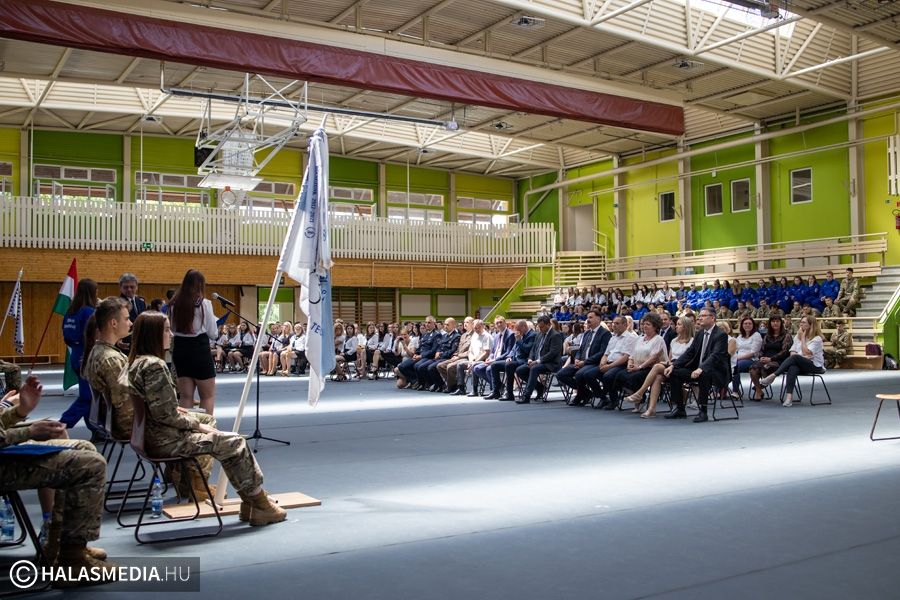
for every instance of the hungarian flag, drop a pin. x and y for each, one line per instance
(61, 307)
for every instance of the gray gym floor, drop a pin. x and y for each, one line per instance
(431, 496)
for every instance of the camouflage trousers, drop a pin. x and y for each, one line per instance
(78, 475)
(12, 375)
(833, 357)
(230, 449)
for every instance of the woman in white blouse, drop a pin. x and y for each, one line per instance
(295, 351)
(372, 340)
(648, 351)
(684, 327)
(807, 357)
(749, 345)
(406, 347)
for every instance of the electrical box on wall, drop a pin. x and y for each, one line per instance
(894, 165)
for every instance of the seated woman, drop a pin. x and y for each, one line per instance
(807, 358)
(684, 328)
(572, 342)
(241, 347)
(776, 347)
(749, 345)
(349, 352)
(170, 432)
(406, 347)
(222, 346)
(649, 351)
(294, 351)
(268, 356)
(373, 338)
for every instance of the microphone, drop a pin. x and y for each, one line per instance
(224, 301)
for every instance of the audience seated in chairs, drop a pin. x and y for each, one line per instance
(502, 342)
(525, 338)
(78, 474)
(430, 379)
(841, 343)
(806, 358)
(429, 340)
(241, 347)
(582, 371)
(647, 352)
(349, 353)
(170, 432)
(405, 348)
(614, 361)
(545, 358)
(684, 335)
(446, 369)
(775, 348)
(223, 345)
(479, 349)
(294, 353)
(385, 351)
(705, 363)
(749, 345)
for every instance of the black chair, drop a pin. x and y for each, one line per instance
(812, 388)
(718, 397)
(137, 444)
(26, 531)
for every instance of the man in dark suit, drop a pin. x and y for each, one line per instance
(705, 363)
(501, 347)
(128, 285)
(525, 338)
(545, 357)
(667, 332)
(584, 367)
(427, 369)
(428, 343)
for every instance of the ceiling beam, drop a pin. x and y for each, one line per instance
(485, 30)
(348, 11)
(431, 11)
(131, 66)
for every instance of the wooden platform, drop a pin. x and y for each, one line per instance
(232, 506)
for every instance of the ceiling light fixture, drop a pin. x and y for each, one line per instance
(528, 22)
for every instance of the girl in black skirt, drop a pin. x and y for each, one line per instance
(193, 326)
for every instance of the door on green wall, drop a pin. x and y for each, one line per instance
(358, 305)
(579, 228)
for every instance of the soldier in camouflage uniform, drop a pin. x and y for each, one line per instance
(12, 374)
(78, 474)
(764, 311)
(722, 312)
(170, 432)
(848, 295)
(790, 325)
(103, 368)
(831, 310)
(840, 347)
(796, 311)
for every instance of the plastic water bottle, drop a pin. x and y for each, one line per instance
(8, 526)
(156, 499)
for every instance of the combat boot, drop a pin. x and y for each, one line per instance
(51, 547)
(263, 510)
(199, 488)
(74, 557)
(244, 515)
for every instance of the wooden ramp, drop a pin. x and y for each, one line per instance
(232, 506)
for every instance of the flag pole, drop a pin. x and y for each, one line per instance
(38, 348)
(222, 482)
(6, 315)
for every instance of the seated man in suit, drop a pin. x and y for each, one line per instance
(446, 369)
(428, 346)
(503, 342)
(614, 361)
(447, 345)
(705, 363)
(585, 368)
(519, 356)
(545, 357)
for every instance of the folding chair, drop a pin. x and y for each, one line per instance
(812, 388)
(110, 443)
(26, 531)
(137, 444)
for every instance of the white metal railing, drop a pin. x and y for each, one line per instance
(125, 226)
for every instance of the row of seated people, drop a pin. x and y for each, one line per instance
(283, 353)
(612, 358)
(780, 293)
(75, 472)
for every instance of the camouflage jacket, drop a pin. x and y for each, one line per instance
(150, 380)
(849, 288)
(831, 311)
(9, 435)
(103, 369)
(841, 341)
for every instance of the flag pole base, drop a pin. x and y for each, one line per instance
(232, 506)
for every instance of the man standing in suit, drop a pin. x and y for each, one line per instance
(525, 338)
(585, 368)
(503, 342)
(705, 363)
(128, 286)
(545, 357)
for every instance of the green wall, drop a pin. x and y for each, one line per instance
(879, 204)
(644, 234)
(828, 214)
(10, 140)
(81, 149)
(547, 211)
(729, 228)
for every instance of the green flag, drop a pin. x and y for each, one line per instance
(61, 307)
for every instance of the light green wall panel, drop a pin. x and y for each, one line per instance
(9, 152)
(729, 228)
(644, 234)
(547, 211)
(287, 165)
(78, 148)
(353, 173)
(163, 154)
(479, 298)
(481, 186)
(828, 214)
(420, 180)
(879, 204)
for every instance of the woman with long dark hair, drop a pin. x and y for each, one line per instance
(171, 431)
(73, 329)
(194, 325)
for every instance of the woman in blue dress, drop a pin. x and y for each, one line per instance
(73, 326)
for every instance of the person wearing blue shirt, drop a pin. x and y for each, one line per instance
(73, 327)
(639, 311)
(829, 287)
(563, 314)
(813, 293)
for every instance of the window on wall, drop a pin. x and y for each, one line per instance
(349, 194)
(666, 207)
(169, 188)
(713, 198)
(419, 207)
(740, 195)
(346, 209)
(73, 173)
(467, 218)
(399, 213)
(58, 191)
(801, 186)
(6, 186)
(483, 204)
(415, 199)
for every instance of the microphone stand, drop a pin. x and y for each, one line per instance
(257, 434)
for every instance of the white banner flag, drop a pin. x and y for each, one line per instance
(306, 257)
